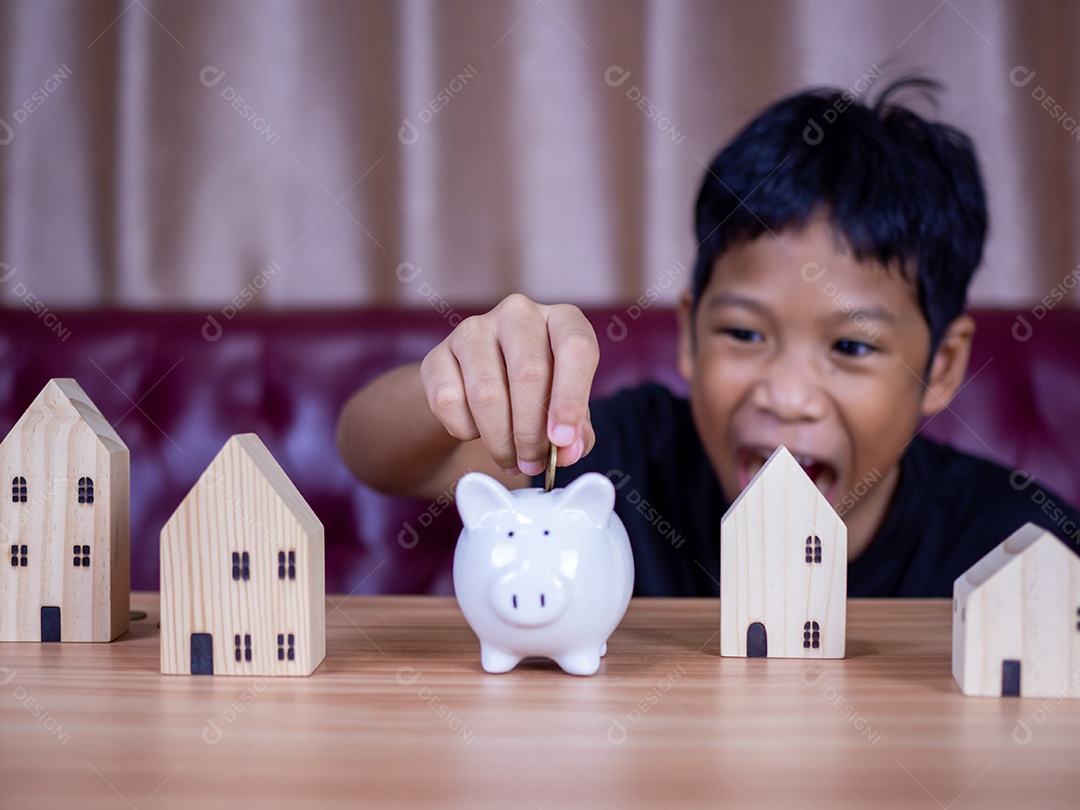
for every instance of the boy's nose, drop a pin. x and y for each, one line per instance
(790, 391)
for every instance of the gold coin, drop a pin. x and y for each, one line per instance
(549, 477)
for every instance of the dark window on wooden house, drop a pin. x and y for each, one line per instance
(281, 565)
(242, 653)
(86, 490)
(18, 556)
(81, 556)
(241, 566)
(811, 636)
(813, 549)
(18, 489)
(284, 651)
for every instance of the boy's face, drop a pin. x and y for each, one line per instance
(798, 343)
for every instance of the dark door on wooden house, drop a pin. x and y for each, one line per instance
(757, 641)
(50, 623)
(1010, 678)
(202, 654)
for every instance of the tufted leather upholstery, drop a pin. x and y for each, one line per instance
(176, 386)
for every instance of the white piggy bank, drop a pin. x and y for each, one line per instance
(542, 573)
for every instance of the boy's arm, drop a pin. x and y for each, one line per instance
(491, 397)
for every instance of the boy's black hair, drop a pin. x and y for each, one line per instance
(900, 189)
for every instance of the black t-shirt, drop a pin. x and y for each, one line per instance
(949, 509)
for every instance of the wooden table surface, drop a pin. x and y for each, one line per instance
(400, 714)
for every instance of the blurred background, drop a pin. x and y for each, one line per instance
(279, 154)
(319, 191)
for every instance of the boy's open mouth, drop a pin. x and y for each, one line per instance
(752, 459)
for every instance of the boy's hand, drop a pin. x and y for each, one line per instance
(518, 378)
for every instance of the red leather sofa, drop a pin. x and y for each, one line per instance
(176, 385)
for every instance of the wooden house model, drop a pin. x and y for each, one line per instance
(242, 576)
(783, 568)
(1016, 619)
(64, 574)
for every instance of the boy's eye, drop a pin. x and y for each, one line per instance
(743, 335)
(853, 348)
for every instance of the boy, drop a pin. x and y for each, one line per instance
(825, 313)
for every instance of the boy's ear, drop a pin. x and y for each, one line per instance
(686, 335)
(949, 365)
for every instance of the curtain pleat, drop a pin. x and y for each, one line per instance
(284, 153)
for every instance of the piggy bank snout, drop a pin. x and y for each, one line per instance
(529, 597)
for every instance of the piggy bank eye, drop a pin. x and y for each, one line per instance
(509, 534)
(546, 532)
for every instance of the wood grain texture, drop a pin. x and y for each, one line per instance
(1021, 604)
(60, 441)
(242, 560)
(400, 714)
(778, 522)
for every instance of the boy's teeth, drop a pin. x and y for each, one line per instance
(821, 474)
(822, 477)
(755, 463)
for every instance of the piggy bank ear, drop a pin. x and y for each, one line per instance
(478, 495)
(593, 494)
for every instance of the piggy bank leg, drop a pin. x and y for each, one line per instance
(603, 650)
(582, 661)
(495, 660)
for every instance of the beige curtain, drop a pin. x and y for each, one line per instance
(280, 153)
